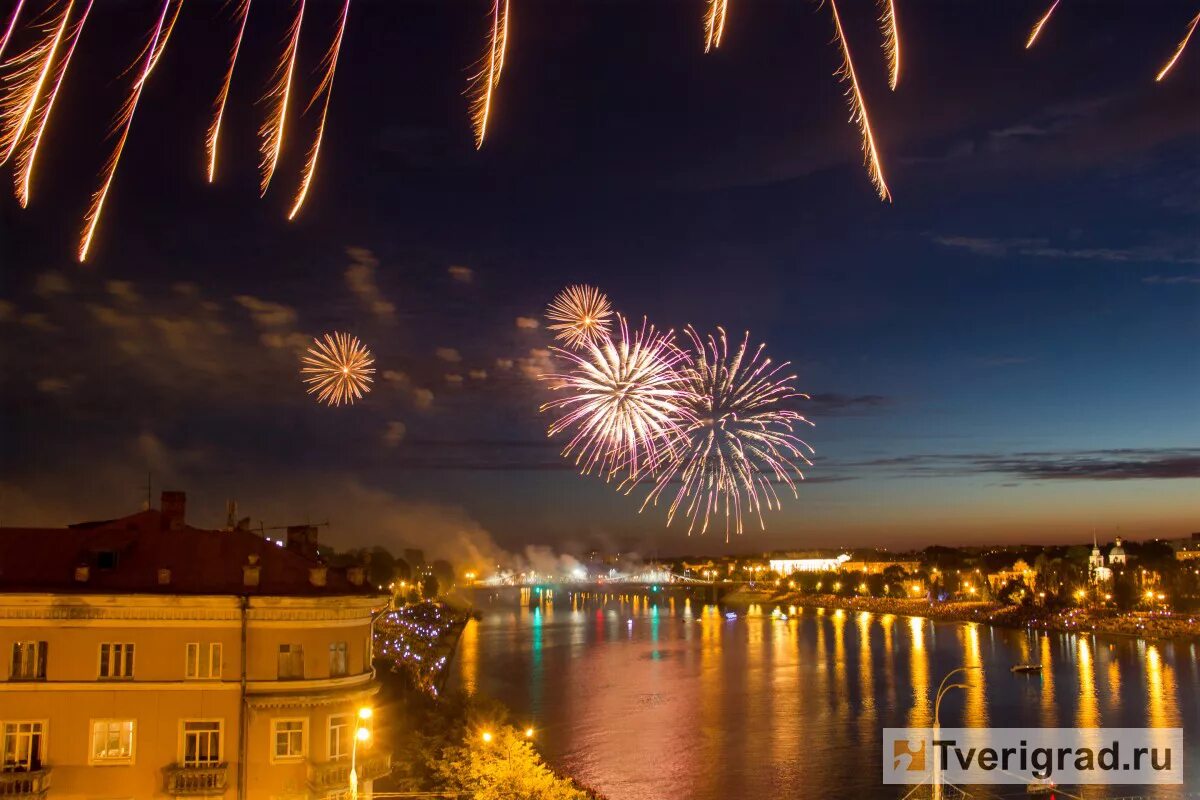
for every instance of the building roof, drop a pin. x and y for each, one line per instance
(124, 556)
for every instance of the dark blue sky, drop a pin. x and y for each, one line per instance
(1008, 352)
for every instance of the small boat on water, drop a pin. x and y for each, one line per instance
(1041, 786)
(1019, 668)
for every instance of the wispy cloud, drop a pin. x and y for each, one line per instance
(1098, 465)
(999, 247)
(360, 278)
(1171, 280)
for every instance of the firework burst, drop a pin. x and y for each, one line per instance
(1041, 23)
(338, 370)
(738, 443)
(26, 84)
(579, 315)
(27, 151)
(151, 54)
(622, 401)
(858, 109)
(485, 81)
(325, 89)
(1179, 50)
(891, 40)
(214, 128)
(278, 97)
(714, 23)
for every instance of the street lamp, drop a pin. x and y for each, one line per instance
(943, 688)
(361, 734)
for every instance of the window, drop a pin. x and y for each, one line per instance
(116, 661)
(291, 661)
(112, 741)
(289, 739)
(203, 660)
(201, 743)
(339, 737)
(24, 746)
(28, 661)
(337, 659)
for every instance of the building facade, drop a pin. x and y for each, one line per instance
(148, 659)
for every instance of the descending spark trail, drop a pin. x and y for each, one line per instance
(326, 87)
(162, 42)
(12, 24)
(124, 123)
(214, 129)
(622, 397)
(484, 82)
(891, 40)
(739, 442)
(1041, 23)
(279, 95)
(858, 110)
(1179, 50)
(21, 101)
(27, 154)
(714, 23)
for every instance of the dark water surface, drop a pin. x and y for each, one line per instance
(672, 700)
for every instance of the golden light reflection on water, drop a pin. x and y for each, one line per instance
(975, 713)
(1088, 714)
(841, 679)
(867, 728)
(887, 623)
(1163, 708)
(1048, 708)
(920, 715)
(468, 656)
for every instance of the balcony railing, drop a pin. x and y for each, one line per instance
(197, 781)
(31, 785)
(332, 775)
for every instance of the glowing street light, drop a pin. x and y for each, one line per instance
(487, 736)
(361, 734)
(529, 733)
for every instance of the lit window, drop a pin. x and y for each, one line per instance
(203, 660)
(116, 661)
(339, 737)
(24, 743)
(112, 741)
(289, 738)
(28, 661)
(201, 743)
(291, 661)
(337, 659)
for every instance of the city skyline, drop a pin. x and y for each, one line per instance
(1006, 353)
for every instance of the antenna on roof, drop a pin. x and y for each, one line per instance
(149, 495)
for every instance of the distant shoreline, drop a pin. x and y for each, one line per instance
(1153, 627)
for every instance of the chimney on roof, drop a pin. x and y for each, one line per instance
(174, 507)
(82, 572)
(251, 571)
(231, 515)
(302, 539)
(317, 576)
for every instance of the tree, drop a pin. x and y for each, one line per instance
(429, 587)
(505, 767)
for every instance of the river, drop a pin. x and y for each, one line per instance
(667, 698)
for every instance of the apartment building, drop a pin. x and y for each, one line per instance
(150, 659)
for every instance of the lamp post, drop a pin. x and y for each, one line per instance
(943, 688)
(361, 734)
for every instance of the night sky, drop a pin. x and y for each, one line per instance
(1007, 353)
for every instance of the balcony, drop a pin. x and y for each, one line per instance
(335, 775)
(197, 781)
(31, 785)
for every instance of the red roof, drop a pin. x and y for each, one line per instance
(125, 555)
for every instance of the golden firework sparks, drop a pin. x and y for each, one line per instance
(1041, 23)
(21, 101)
(338, 370)
(579, 315)
(27, 153)
(214, 129)
(12, 24)
(162, 41)
(714, 23)
(325, 88)
(278, 96)
(891, 40)
(123, 124)
(485, 81)
(858, 109)
(1179, 50)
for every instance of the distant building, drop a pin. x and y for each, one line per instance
(1019, 571)
(147, 658)
(789, 563)
(874, 567)
(1116, 556)
(1098, 572)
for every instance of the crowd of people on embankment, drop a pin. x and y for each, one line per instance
(1146, 625)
